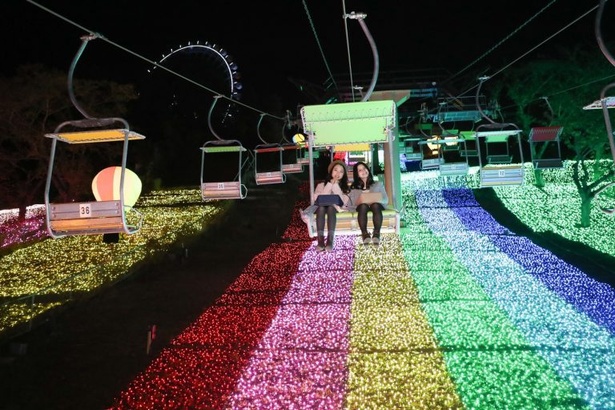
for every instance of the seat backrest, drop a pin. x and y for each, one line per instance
(222, 190)
(544, 134)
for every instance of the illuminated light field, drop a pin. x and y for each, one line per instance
(50, 273)
(556, 208)
(455, 312)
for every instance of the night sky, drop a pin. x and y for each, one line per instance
(281, 48)
(273, 41)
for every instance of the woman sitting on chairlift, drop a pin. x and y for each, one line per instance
(336, 183)
(364, 183)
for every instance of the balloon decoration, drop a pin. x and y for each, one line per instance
(299, 139)
(106, 185)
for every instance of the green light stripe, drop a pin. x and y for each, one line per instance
(490, 361)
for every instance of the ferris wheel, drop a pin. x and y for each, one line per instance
(207, 65)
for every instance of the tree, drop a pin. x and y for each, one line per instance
(570, 82)
(33, 103)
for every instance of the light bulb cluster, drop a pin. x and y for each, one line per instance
(50, 273)
(554, 315)
(14, 231)
(455, 312)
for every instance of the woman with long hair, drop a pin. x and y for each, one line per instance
(364, 182)
(336, 183)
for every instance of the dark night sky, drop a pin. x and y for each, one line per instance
(273, 40)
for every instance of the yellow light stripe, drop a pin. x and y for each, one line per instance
(394, 360)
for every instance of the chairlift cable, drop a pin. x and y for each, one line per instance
(348, 50)
(504, 39)
(154, 63)
(307, 12)
(533, 48)
(598, 80)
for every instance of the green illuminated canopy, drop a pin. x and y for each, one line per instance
(350, 123)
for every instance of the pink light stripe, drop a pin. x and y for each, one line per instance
(301, 360)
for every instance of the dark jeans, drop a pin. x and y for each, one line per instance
(362, 211)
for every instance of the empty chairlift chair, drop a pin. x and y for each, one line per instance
(222, 164)
(433, 159)
(452, 162)
(91, 217)
(497, 166)
(291, 153)
(220, 179)
(110, 214)
(290, 159)
(469, 149)
(302, 151)
(267, 161)
(545, 147)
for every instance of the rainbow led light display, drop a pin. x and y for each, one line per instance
(455, 312)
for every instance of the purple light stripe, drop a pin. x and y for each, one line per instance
(301, 360)
(595, 299)
(321, 287)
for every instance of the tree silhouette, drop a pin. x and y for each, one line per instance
(570, 81)
(34, 102)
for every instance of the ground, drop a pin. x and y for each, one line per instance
(84, 357)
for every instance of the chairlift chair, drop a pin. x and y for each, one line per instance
(302, 156)
(545, 147)
(290, 159)
(452, 162)
(290, 156)
(412, 149)
(270, 155)
(434, 147)
(496, 163)
(469, 146)
(220, 180)
(350, 124)
(227, 188)
(107, 216)
(499, 168)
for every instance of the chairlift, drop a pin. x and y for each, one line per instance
(545, 147)
(344, 125)
(452, 163)
(409, 144)
(496, 163)
(302, 149)
(291, 153)
(428, 142)
(109, 214)
(269, 169)
(604, 103)
(469, 149)
(218, 179)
